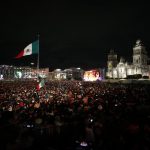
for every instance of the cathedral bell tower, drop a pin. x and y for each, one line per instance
(112, 60)
(111, 63)
(139, 54)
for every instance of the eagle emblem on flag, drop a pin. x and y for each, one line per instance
(28, 50)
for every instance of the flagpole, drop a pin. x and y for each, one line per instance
(38, 58)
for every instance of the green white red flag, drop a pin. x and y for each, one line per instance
(40, 85)
(32, 48)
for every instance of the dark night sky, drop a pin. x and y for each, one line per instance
(72, 33)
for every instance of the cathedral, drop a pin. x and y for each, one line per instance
(122, 69)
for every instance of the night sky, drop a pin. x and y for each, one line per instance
(72, 33)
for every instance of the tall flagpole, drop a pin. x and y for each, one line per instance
(38, 58)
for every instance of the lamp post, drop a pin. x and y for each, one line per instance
(32, 64)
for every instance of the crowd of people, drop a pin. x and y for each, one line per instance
(74, 115)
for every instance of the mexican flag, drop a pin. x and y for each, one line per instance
(32, 48)
(40, 85)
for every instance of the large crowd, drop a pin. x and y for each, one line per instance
(74, 115)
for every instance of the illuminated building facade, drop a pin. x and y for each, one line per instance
(13, 72)
(123, 69)
(67, 74)
(30, 73)
(6, 72)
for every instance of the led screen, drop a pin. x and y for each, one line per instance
(91, 75)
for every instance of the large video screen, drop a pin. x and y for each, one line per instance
(18, 74)
(92, 75)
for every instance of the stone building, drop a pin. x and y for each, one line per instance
(122, 69)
